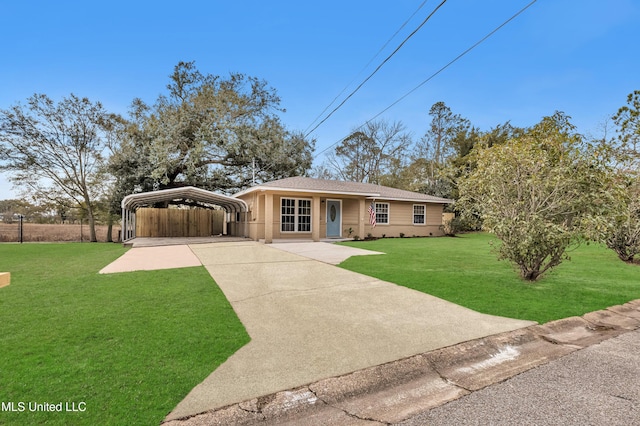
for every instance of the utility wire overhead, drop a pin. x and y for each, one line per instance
(483, 39)
(377, 68)
(366, 66)
(269, 167)
(432, 75)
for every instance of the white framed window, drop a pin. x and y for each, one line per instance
(295, 215)
(382, 213)
(287, 215)
(304, 216)
(419, 214)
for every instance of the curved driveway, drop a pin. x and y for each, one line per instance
(310, 320)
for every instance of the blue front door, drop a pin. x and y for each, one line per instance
(334, 219)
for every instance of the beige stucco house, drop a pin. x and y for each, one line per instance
(315, 209)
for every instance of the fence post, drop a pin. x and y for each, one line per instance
(21, 230)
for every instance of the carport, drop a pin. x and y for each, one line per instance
(235, 208)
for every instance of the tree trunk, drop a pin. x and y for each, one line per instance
(110, 229)
(625, 257)
(92, 224)
(530, 275)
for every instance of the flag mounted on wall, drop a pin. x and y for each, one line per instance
(372, 214)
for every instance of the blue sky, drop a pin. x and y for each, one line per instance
(576, 56)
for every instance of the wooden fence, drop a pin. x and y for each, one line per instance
(179, 222)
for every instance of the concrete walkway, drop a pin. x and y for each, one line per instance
(322, 251)
(535, 375)
(174, 241)
(149, 258)
(309, 320)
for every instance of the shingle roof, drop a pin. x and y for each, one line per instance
(369, 190)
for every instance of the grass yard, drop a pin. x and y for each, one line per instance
(465, 271)
(128, 346)
(38, 232)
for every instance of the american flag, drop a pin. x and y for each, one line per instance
(372, 214)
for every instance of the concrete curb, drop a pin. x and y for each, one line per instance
(393, 392)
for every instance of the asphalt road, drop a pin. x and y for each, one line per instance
(598, 385)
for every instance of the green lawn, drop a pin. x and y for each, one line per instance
(465, 271)
(129, 346)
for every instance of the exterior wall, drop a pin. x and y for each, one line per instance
(255, 224)
(236, 224)
(401, 221)
(400, 217)
(350, 217)
(277, 223)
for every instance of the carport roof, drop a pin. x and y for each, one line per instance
(142, 199)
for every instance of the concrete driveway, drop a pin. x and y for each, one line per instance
(322, 251)
(309, 320)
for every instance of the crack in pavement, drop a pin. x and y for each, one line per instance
(446, 380)
(347, 412)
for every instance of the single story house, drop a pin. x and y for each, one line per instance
(307, 208)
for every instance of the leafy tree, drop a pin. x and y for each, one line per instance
(445, 132)
(410, 177)
(416, 176)
(539, 193)
(367, 154)
(628, 120)
(55, 150)
(10, 209)
(210, 132)
(623, 232)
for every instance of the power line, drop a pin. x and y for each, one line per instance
(367, 65)
(432, 75)
(483, 39)
(377, 68)
(305, 134)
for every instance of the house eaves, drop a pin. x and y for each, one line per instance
(306, 191)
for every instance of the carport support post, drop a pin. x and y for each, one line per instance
(245, 224)
(268, 218)
(315, 219)
(123, 225)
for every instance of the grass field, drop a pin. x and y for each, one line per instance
(125, 347)
(463, 270)
(36, 232)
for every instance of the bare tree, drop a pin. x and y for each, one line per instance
(55, 151)
(371, 152)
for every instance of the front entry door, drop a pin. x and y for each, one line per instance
(334, 219)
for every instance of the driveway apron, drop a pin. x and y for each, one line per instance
(310, 320)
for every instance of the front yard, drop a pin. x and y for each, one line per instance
(119, 349)
(463, 270)
(126, 348)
